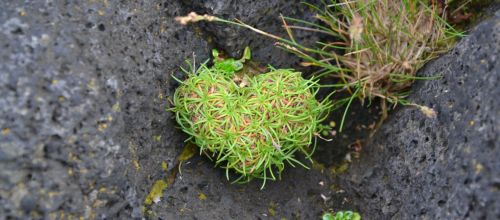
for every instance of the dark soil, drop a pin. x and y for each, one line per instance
(84, 86)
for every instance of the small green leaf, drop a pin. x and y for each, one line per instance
(215, 54)
(247, 55)
(229, 65)
(342, 215)
(327, 216)
(187, 152)
(237, 65)
(356, 216)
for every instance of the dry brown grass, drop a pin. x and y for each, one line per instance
(372, 47)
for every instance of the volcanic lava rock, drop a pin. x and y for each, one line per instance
(84, 133)
(84, 89)
(443, 168)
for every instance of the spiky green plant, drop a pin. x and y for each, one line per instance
(251, 124)
(372, 47)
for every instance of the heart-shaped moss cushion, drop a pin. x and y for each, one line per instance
(251, 127)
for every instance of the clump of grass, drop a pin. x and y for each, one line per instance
(383, 43)
(372, 47)
(251, 124)
(380, 45)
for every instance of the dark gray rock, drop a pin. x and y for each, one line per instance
(264, 15)
(84, 89)
(28, 203)
(444, 168)
(84, 130)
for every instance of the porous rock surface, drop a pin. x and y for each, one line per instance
(444, 168)
(84, 131)
(264, 15)
(84, 86)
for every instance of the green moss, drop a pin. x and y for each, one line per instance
(340, 169)
(156, 192)
(157, 138)
(164, 166)
(318, 166)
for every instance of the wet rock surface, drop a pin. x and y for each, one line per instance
(84, 131)
(443, 168)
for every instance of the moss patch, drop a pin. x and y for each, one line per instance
(156, 192)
